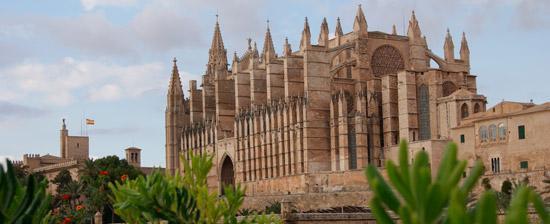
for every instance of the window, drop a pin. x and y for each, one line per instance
(424, 112)
(501, 131)
(482, 134)
(78, 145)
(477, 108)
(523, 164)
(521, 132)
(495, 165)
(464, 111)
(493, 132)
(462, 139)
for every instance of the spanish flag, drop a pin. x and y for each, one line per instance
(90, 121)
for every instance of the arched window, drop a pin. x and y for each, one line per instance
(464, 111)
(477, 108)
(483, 134)
(448, 88)
(424, 112)
(493, 132)
(501, 131)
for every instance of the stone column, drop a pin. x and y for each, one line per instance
(343, 131)
(408, 111)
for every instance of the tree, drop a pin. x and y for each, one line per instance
(180, 199)
(417, 197)
(62, 179)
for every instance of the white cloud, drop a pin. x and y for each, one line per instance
(91, 4)
(62, 82)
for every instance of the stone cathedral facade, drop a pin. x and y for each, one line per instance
(304, 123)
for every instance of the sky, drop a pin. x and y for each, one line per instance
(110, 60)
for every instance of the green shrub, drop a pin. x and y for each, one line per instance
(180, 199)
(28, 203)
(418, 198)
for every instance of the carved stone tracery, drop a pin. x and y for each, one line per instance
(386, 60)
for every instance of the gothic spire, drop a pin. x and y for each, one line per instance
(217, 58)
(360, 23)
(175, 88)
(449, 47)
(287, 51)
(306, 36)
(413, 32)
(464, 49)
(269, 50)
(338, 31)
(323, 35)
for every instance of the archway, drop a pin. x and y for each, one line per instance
(227, 177)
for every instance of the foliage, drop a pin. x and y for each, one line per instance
(22, 172)
(273, 208)
(28, 203)
(417, 197)
(79, 200)
(179, 199)
(62, 179)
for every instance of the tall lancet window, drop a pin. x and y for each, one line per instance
(424, 112)
(352, 145)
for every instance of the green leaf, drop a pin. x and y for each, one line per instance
(486, 209)
(379, 212)
(517, 212)
(381, 188)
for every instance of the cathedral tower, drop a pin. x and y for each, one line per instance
(174, 119)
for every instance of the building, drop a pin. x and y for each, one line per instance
(74, 151)
(303, 124)
(510, 139)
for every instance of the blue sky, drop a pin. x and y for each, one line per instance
(110, 60)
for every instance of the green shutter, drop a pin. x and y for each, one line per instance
(462, 139)
(521, 132)
(523, 164)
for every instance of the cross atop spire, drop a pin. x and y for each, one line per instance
(175, 87)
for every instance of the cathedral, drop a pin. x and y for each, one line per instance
(306, 122)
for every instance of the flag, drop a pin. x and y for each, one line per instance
(90, 121)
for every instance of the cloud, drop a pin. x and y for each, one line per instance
(91, 4)
(64, 81)
(8, 109)
(166, 25)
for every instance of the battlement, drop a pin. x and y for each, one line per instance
(31, 156)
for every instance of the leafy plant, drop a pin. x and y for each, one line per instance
(180, 199)
(417, 197)
(28, 203)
